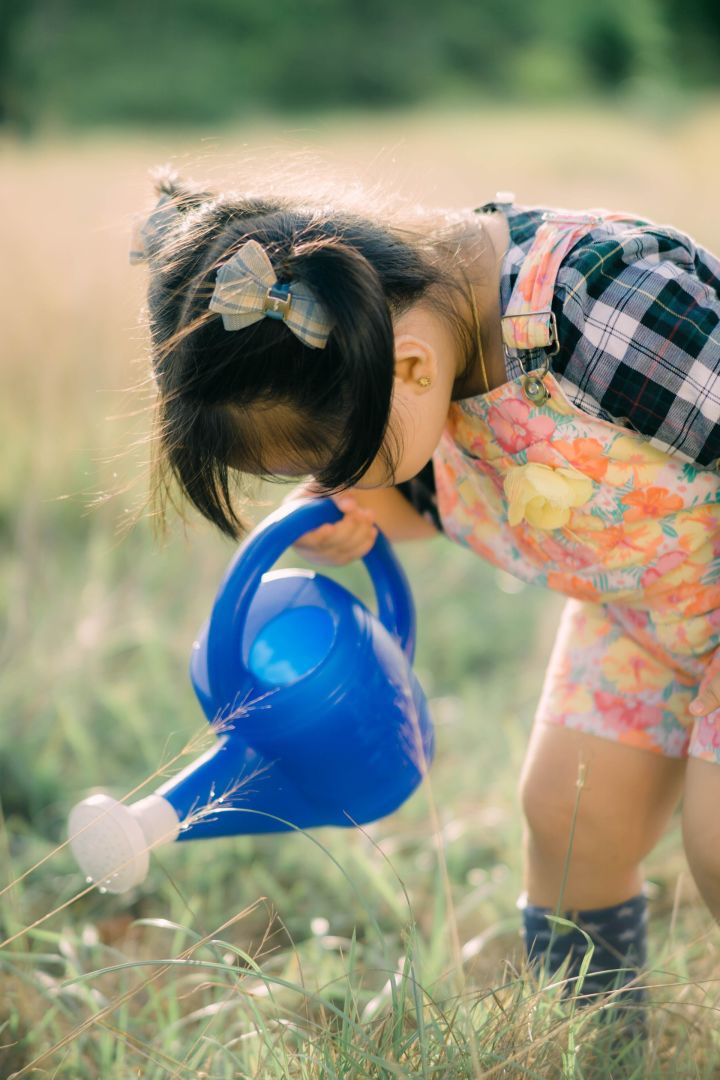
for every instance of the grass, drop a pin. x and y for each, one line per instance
(388, 951)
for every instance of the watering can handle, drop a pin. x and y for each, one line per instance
(267, 542)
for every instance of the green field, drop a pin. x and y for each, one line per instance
(393, 951)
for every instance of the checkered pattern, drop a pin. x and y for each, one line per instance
(638, 316)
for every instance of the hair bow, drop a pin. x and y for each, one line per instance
(147, 234)
(247, 290)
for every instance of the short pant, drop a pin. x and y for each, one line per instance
(602, 681)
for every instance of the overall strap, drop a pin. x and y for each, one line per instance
(529, 322)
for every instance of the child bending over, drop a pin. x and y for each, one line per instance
(538, 384)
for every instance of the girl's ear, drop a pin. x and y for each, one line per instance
(415, 363)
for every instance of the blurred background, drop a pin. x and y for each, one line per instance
(67, 63)
(565, 103)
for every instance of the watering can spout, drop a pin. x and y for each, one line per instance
(226, 791)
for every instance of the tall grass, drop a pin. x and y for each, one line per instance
(393, 950)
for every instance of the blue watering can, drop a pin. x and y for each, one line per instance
(319, 717)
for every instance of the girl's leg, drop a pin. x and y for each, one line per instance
(626, 800)
(612, 719)
(583, 853)
(613, 709)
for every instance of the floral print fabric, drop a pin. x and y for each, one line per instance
(630, 533)
(561, 499)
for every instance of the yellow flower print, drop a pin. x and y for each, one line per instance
(476, 513)
(696, 528)
(628, 545)
(543, 496)
(630, 458)
(631, 669)
(576, 699)
(678, 703)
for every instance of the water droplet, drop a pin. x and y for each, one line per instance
(89, 880)
(102, 889)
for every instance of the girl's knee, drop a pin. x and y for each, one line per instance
(548, 786)
(617, 800)
(554, 815)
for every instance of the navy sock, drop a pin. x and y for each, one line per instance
(619, 934)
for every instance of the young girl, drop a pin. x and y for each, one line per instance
(543, 386)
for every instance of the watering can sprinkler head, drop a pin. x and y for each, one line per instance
(320, 718)
(112, 842)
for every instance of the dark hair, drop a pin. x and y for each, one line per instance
(329, 405)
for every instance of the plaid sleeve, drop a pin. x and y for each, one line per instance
(638, 312)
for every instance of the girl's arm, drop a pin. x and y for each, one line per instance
(394, 514)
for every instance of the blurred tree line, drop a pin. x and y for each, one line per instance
(84, 62)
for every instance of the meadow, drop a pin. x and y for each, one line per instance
(391, 951)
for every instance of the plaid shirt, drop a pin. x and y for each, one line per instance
(638, 317)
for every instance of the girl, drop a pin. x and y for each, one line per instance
(543, 386)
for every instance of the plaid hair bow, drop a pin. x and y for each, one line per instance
(247, 290)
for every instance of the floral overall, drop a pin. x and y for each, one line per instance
(589, 508)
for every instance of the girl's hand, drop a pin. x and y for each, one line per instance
(708, 696)
(342, 542)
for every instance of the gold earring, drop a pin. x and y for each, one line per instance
(424, 380)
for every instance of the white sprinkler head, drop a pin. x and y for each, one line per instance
(111, 841)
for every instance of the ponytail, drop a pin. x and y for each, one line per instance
(244, 400)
